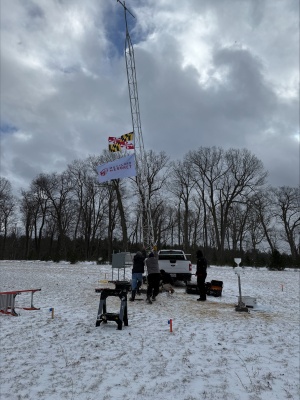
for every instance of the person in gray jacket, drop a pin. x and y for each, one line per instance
(153, 276)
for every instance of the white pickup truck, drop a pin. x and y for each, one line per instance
(176, 264)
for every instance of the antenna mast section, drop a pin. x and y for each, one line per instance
(140, 154)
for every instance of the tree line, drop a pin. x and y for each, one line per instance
(214, 199)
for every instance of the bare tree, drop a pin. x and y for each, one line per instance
(163, 220)
(90, 207)
(200, 222)
(7, 211)
(288, 214)
(254, 228)
(156, 176)
(28, 210)
(224, 178)
(181, 185)
(121, 192)
(57, 189)
(263, 203)
(237, 217)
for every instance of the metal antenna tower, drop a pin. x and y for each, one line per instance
(140, 154)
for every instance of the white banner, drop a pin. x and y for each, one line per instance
(120, 168)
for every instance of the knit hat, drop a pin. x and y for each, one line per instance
(151, 254)
(199, 254)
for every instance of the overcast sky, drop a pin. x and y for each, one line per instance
(210, 73)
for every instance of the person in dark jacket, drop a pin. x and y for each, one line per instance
(153, 276)
(167, 281)
(201, 275)
(137, 272)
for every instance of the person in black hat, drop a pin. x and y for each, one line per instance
(201, 275)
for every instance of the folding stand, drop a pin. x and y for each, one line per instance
(104, 316)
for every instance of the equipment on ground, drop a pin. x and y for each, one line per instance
(241, 305)
(121, 261)
(213, 288)
(121, 290)
(7, 301)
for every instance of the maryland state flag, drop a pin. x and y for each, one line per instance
(121, 142)
(114, 147)
(128, 137)
(116, 144)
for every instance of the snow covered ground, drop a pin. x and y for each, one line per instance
(213, 353)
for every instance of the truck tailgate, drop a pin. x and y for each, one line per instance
(174, 266)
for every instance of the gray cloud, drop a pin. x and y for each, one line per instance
(209, 74)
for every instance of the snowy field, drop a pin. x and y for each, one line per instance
(213, 353)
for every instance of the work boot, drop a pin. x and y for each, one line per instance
(148, 300)
(132, 295)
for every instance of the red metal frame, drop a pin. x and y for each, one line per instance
(11, 306)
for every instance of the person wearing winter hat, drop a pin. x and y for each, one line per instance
(201, 275)
(153, 275)
(137, 272)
